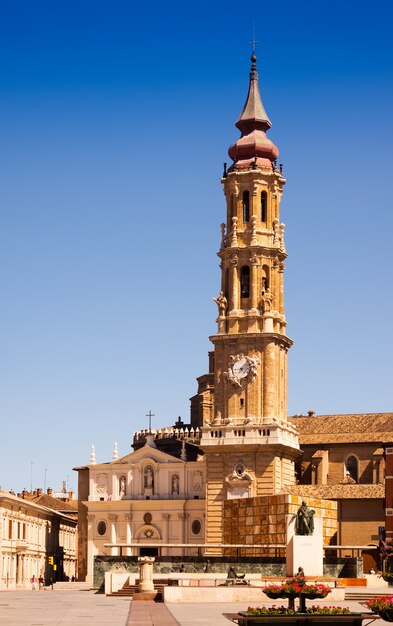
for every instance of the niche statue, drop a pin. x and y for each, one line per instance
(304, 523)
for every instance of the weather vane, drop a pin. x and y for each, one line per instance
(253, 42)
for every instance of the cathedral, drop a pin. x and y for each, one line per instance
(177, 491)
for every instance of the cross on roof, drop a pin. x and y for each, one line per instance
(150, 415)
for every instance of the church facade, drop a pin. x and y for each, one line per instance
(170, 493)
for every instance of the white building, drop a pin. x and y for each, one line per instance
(34, 540)
(149, 496)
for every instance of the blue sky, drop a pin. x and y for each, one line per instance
(115, 120)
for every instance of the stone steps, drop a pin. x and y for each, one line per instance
(69, 586)
(362, 596)
(131, 590)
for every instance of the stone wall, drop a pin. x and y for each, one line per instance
(266, 567)
(263, 520)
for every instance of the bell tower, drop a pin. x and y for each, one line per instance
(250, 447)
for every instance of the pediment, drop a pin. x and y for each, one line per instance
(148, 453)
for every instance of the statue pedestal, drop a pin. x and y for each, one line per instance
(268, 323)
(305, 551)
(146, 573)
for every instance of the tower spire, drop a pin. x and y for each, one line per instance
(253, 122)
(253, 113)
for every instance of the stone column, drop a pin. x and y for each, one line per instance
(269, 393)
(234, 283)
(165, 517)
(19, 572)
(113, 518)
(128, 551)
(182, 517)
(90, 549)
(254, 284)
(146, 573)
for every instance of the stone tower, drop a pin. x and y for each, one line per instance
(241, 406)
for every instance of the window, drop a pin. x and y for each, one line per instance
(245, 282)
(246, 206)
(352, 468)
(263, 206)
(196, 527)
(101, 528)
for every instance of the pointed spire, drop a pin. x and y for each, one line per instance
(253, 111)
(92, 455)
(253, 150)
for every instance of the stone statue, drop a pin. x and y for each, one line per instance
(175, 484)
(222, 304)
(149, 478)
(267, 300)
(122, 486)
(304, 523)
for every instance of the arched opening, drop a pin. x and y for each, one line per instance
(352, 468)
(265, 278)
(245, 282)
(246, 206)
(263, 206)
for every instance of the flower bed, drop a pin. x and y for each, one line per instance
(283, 610)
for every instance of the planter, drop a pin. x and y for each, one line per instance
(352, 619)
(387, 616)
(272, 595)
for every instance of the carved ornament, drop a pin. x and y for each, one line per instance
(241, 368)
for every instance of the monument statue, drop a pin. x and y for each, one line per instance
(304, 523)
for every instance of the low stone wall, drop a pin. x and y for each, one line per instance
(214, 566)
(345, 567)
(237, 593)
(266, 567)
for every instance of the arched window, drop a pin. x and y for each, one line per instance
(263, 206)
(245, 282)
(352, 468)
(246, 206)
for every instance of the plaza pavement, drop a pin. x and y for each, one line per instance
(87, 608)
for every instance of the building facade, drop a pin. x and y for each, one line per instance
(34, 540)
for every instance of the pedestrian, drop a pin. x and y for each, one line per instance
(33, 581)
(40, 583)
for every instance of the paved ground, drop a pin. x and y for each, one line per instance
(86, 608)
(61, 608)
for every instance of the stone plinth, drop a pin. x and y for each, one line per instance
(305, 551)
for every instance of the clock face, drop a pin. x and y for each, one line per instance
(241, 368)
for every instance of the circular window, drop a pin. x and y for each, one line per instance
(101, 528)
(147, 518)
(196, 527)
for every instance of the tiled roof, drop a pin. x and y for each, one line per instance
(338, 492)
(351, 428)
(55, 503)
